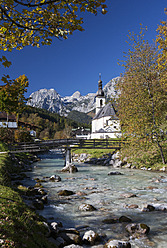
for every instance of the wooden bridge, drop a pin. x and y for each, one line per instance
(41, 146)
(65, 144)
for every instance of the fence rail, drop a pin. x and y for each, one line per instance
(64, 143)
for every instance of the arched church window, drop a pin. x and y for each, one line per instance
(101, 103)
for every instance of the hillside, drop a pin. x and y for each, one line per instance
(50, 125)
(79, 117)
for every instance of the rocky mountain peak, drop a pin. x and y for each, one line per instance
(52, 101)
(76, 94)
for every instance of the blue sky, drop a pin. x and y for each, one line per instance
(74, 64)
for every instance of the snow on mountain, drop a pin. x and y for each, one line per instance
(52, 101)
(110, 90)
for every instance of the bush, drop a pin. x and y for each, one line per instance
(6, 135)
(22, 136)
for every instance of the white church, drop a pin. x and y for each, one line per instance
(105, 124)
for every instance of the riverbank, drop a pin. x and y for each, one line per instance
(20, 226)
(111, 158)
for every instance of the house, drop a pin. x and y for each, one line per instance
(81, 133)
(105, 123)
(7, 120)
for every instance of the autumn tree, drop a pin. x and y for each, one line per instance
(36, 22)
(143, 101)
(12, 99)
(162, 57)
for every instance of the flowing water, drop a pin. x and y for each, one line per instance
(94, 186)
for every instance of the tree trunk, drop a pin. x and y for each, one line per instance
(161, 151)
(7, 119)
(154, 123)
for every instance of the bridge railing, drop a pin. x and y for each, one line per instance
(64, 143)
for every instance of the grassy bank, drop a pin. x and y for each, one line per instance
(149, 157)
(19, 225)
(94, 153)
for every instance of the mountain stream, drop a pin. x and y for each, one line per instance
(108, 194)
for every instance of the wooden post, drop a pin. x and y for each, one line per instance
(68, 156)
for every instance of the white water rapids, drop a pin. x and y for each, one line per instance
(107, 194)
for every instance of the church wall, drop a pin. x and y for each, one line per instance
(100, 102)
(115, 125)
(104, 123)
(105, 135)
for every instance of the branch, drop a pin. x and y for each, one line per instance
(16, 23)
(36, 5)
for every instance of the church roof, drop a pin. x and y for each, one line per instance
(100, 90)
(107, 110)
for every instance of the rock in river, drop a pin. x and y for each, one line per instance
(86, 207)
(65, 192)
(114, 173)
(117, 244)
(137, 230)
(55, 178)
(90, 237)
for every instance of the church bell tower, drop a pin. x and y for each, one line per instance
(100, 98)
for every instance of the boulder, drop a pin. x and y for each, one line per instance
(118, 163)
(163, 168)
(55, 178)
(90, 237)
(124, 219)
(128, 165)
(71, 238)
(32, 192)
(73, 246)
(160, 207)
(44, 199)
(86, 207)
(42, 192)
(132, 206)
(111, 162)
(56, 226)
(115, 156)
(65, 192)
(114, 173)
(83, 156)
(71, 168)
(147, 208)
(38, 185)
(117, 244)
(38, 204)
(110, 220)
(128, 195)
(137, 230)
(92, 161)
(59, 242)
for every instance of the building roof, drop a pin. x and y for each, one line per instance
(107, 110)
(3, 116)
(100, 90)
